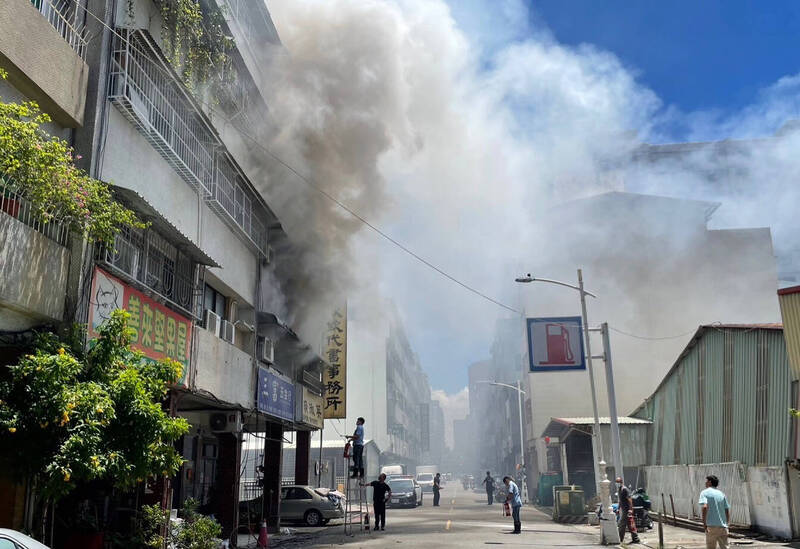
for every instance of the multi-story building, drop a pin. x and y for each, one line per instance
(194, 279)
(436, 436)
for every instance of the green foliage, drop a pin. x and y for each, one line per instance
(41, 168)
(68, 417)
(195, 532)
(195, 42)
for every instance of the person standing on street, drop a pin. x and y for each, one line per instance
(626, 519)
(437, 487)
(489, 482)
(515, 500)
(381, 492)
(716, 514)
(358, 449)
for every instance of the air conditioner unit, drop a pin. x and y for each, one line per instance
(228, 332)
(266, 350)
(212, 322)
(230, 422)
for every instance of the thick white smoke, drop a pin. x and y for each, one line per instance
(458, 142)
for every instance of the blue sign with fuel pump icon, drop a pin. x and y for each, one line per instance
(555, 343)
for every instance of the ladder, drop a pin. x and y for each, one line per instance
(355, 505)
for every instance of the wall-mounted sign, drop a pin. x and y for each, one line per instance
(158, 332)
(309, 407)
(334, 374)
(275, 395)
(555, 344)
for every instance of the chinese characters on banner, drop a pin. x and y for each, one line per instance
(310, 407)
(158, 332)
(334, 375)
(275, 395)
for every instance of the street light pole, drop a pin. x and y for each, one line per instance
(520, 392)
(597, 440)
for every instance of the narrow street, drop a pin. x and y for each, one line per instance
(465, 521)
(462, 520)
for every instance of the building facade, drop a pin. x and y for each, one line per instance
(195, 280)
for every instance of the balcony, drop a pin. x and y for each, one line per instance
(34, 264)
(43, 45)
(223, 370)
(146, 91)
(67, 18)
(233, 202)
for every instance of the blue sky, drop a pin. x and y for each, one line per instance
(696, 55)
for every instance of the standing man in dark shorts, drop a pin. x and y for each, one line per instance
(626, 520)
(381, 492)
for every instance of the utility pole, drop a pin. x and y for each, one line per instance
(616, 447)
(597, 441)
(522, 446)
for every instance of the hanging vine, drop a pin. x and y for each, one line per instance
(195, 43)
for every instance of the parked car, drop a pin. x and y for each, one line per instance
(406, 492)
(298, 504)
(11, 539)
(426, 481)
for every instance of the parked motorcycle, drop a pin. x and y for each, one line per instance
(641, 509)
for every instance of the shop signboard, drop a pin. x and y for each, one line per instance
(334, 373)
(275, 395)
(157, 331)
(309, 407)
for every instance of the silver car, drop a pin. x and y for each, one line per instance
(303, 503)
(11, 539)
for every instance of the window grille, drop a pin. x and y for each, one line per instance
(66, 18)
(14, 204)
(147, 258)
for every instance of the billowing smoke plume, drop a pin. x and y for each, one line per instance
(455, 406)
(461, 151)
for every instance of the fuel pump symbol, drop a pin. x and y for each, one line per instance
(558, 348)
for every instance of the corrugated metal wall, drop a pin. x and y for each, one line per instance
(790, 311)
(696, 432)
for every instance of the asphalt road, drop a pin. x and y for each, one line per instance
(463, 520)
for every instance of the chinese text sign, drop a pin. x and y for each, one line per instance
(334, 374)
(275, 395)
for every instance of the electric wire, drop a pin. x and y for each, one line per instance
(308, 181)
(316, 187)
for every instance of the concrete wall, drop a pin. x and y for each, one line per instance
(33, 276)
(41, 63)
(161, 186)
(223, 370)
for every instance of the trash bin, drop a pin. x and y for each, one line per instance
(569, 504)
(546, 483)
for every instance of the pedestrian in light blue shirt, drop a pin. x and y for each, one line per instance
(716, 514)
(515, 500)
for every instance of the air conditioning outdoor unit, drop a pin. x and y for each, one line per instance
(228, 332)
(230, 422)
(266, 350)
(212, 322)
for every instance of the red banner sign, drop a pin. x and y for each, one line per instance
(159, 332)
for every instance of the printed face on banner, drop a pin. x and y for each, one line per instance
(334, 374)
(555, 344)
(157, 331)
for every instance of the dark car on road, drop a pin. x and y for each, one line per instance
(405, 492)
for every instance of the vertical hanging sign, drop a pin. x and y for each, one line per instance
(334, 375)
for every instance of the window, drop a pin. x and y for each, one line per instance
(214, 301)
(296, 493)
(7, 544)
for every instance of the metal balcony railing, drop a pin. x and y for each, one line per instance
(154, 102)
(64, 16)
(144, 256)
(233, 202)
(13, 204)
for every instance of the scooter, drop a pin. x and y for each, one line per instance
(641, 509)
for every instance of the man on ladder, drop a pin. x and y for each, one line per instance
(358, 449)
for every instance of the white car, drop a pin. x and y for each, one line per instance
(405, 491)
(426, 481)
(11, 539)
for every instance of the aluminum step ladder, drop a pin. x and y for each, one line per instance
(356, 507)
